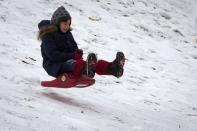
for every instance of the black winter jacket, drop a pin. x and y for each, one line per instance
(56, 48)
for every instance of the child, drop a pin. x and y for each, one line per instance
(61, 54)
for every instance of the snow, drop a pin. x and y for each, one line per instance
(158, 91)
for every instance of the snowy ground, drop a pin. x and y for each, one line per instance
(158, 91)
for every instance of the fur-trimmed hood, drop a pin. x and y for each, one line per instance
(45, 27)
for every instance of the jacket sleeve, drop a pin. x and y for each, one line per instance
(74, 42)
(50, 50)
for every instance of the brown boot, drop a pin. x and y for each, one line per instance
(90, 67)
(116, 67)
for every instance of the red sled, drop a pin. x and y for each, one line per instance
(67, 80)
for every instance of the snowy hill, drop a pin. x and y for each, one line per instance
(158, 91)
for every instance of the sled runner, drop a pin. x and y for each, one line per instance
(67, 80)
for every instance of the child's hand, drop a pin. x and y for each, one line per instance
(78, 54)
(80, 51)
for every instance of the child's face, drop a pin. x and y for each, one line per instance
(65, 26)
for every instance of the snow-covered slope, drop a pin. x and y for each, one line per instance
(158, 91)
